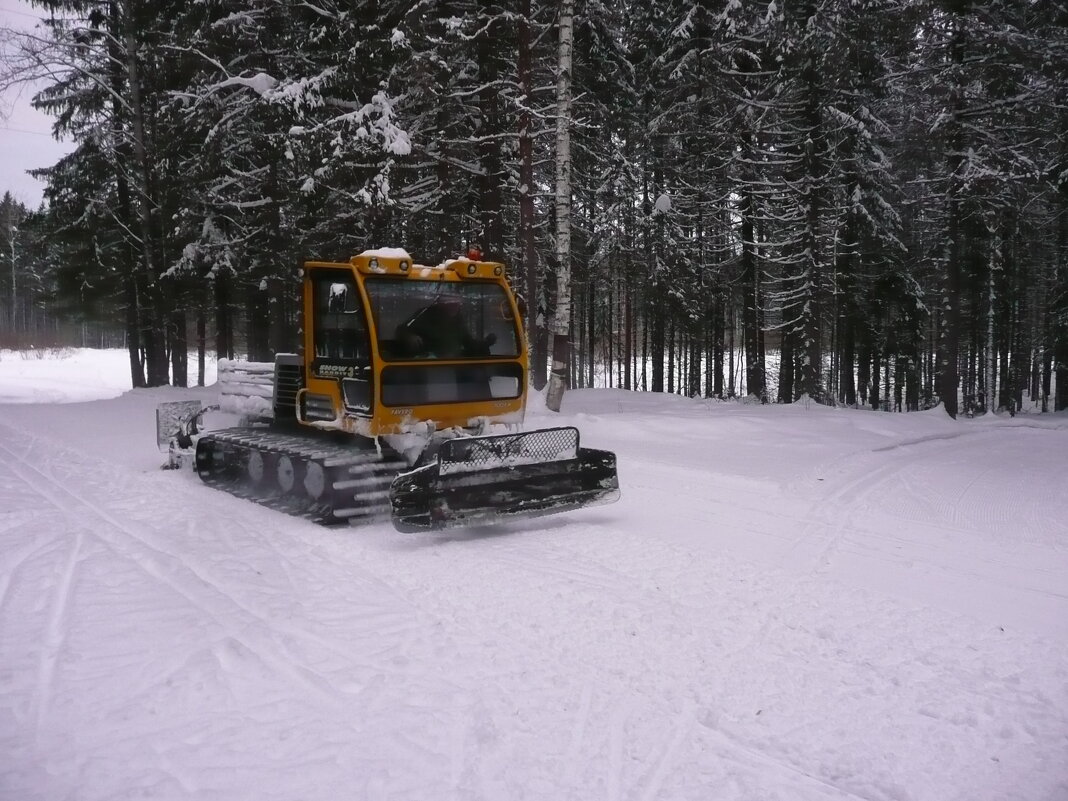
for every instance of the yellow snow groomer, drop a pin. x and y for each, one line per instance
(408, 399)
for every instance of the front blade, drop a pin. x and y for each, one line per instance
(482, 480)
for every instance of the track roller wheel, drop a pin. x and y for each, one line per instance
(315, 481)
(286, 471)
(256, 467)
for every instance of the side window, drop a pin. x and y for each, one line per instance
(340, 326)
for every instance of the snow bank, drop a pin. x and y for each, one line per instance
(70, 375)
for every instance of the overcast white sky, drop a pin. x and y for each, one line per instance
(25, 134)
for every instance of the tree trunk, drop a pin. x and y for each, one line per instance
(754, 354)
(1059, 310)
(949, 341)
(489, 147)
(669, 343)
(990, 361)
(132, 281)
(179, 349)
(258, 318)
(558, 377)
(912, 386)
(133, 330)
(154, 341)
(786, 362)
(847, 316)
(732, 325)
(201, 341)
(628, 335)
(863, 373)
(811, 334)
(591, 332)
(718, 344)
(224, 321)
(874, 391)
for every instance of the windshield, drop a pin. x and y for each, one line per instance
(442, 320)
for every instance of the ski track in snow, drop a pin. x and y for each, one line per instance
(867, 514)
(169, 569)
(158, 638)
(55, 633)
(615, 779)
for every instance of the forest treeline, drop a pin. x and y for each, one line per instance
(854, 201)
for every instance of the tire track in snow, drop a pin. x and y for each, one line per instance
(999, 511)
(681, 730)
(55, 633)
(516, 565)
(853, 492)
(614, 750)
(578, 736)
(20, 557)
(616, 729)
(762, 762)
(607, 581)
(121, 538)
(751, 758)
(151, 563)
(683, 479)
(828, 519)
(53, 636)
(992, 505)
(981, 521)
(908, 443)
(829, 522)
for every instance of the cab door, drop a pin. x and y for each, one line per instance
(340, 342)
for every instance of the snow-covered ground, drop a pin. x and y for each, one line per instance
(788, 603)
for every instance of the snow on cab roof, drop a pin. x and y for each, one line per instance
(387, 253)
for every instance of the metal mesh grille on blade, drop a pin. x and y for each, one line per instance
(507, 450)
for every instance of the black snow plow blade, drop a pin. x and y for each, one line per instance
(479, 480)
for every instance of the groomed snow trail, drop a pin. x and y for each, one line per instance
(159, 639)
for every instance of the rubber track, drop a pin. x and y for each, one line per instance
(357, 478)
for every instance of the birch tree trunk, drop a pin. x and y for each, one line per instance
(562, 317)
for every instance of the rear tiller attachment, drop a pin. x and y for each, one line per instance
(178, 425)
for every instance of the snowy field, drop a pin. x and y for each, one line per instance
(788, 603)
